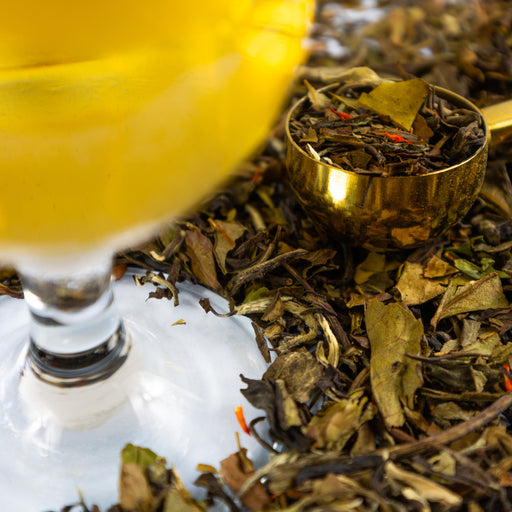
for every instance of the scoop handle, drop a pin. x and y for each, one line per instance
(499, 120)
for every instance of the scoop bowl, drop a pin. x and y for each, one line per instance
(385, 212)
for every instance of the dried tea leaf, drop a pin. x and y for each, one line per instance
(137, 463)
(443, 462)
(497, 189)
(226, 234)
(262, 342)
(216, 490)
(486, 293)
(479, 379)
(275, 309)
(311, 136)
(318, 99)
(288, 411)
(497, 436)
(446, 412)
(436, 267)
(400, 101)
(332, 428)
(373, 272)
(421, 129)
(360, 158)
(200, 252)
(365, 441)
(256, 293)
(424, 487)
(374, 263)
(319, 260)
(143, 457)
(470, 332)
(476, 272)
(300, 372)
(416, 289)
(267, 394)
(393, 332)
(256, 497)
(177, 500)
(486, 343)
(134, 489)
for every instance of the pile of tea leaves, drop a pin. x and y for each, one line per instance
(394, 129)
(390, 385)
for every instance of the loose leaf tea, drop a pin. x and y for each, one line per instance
(393, 129)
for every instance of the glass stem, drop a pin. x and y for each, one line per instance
(76, 334)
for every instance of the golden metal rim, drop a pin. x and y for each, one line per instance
(445, 94)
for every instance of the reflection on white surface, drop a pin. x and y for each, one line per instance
(184, 393)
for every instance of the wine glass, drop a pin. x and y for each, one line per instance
(115, 117)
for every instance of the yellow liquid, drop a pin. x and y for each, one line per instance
(115, 114)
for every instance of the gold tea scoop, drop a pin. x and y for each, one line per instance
(392, 212)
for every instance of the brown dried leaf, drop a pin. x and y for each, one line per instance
(332, 428)
(267, 394)
(421, 129)
(318, 260)
(134, 489)
(486, 343)
(299, 370)
(436, 267)
(256, 498)
(373, 272)
(393, 332)
(275, 310)
(200, 252)
(416, 289)
(288, 410)
(486, 293)
(497, 189)
(226, 234)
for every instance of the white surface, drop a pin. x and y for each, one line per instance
(182, 407)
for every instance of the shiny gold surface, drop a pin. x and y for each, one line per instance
(382, 213)
(499, 121)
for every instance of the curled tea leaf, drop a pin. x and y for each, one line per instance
(332, 428)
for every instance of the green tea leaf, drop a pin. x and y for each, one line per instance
(143, 457)
(476, 272)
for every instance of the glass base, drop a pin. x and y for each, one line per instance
(176, 394)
